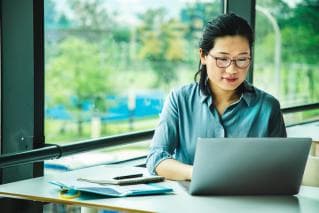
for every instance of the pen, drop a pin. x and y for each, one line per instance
(128, 176)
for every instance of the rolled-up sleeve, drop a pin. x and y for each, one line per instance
(165, 138)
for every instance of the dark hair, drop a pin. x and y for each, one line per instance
(223, 25)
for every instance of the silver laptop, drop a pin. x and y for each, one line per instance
(249, 166)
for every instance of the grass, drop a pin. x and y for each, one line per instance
(59, 131)
(62, 132)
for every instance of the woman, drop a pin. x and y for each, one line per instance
(221, 104)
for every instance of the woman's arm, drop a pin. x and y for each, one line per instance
(174, 170)
(165, 137)
(166, 142)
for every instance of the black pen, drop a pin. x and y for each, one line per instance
(128, 176)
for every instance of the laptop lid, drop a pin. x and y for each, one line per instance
(249, 166)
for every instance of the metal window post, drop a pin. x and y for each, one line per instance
(245, 9)
(22, 91)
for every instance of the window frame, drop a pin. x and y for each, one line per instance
(14, 130)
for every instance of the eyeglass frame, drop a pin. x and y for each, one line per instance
(230, 61)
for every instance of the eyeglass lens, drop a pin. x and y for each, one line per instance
(225, 62)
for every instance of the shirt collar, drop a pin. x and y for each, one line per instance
(248, 92)
(246, 89)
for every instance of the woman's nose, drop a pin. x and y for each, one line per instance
(232, 69)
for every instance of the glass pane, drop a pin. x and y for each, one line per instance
(301, 117)
(109, 64)
(286, 50)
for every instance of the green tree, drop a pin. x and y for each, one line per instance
(162, 44)
(301, 33)
(80, 57)
(91, 15)
(76, 74)
(196, 15)
(299, 53)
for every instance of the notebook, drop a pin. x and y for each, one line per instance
(75, 186)
(249, 166)
(110, 180)
(127, 181)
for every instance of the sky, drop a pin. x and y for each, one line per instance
(292, 3)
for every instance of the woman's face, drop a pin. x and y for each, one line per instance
(226, 48)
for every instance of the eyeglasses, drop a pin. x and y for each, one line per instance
(224, 62)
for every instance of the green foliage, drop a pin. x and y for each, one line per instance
(301, 34)
(77, 73)
(299, 48)
(167, 43)
(162, 44)
(299, 30)
(300, 45)
(196, 15)
(91, 15)
(265, 48)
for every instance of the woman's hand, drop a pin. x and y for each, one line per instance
(174, 170)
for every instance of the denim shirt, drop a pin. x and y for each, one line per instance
(188, 114)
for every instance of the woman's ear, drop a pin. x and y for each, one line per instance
(202, 56)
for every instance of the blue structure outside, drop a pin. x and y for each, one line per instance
(147, 105)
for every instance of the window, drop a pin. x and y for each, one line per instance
(286, 52)
(110, 64)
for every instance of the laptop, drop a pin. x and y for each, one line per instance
(249, 166)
